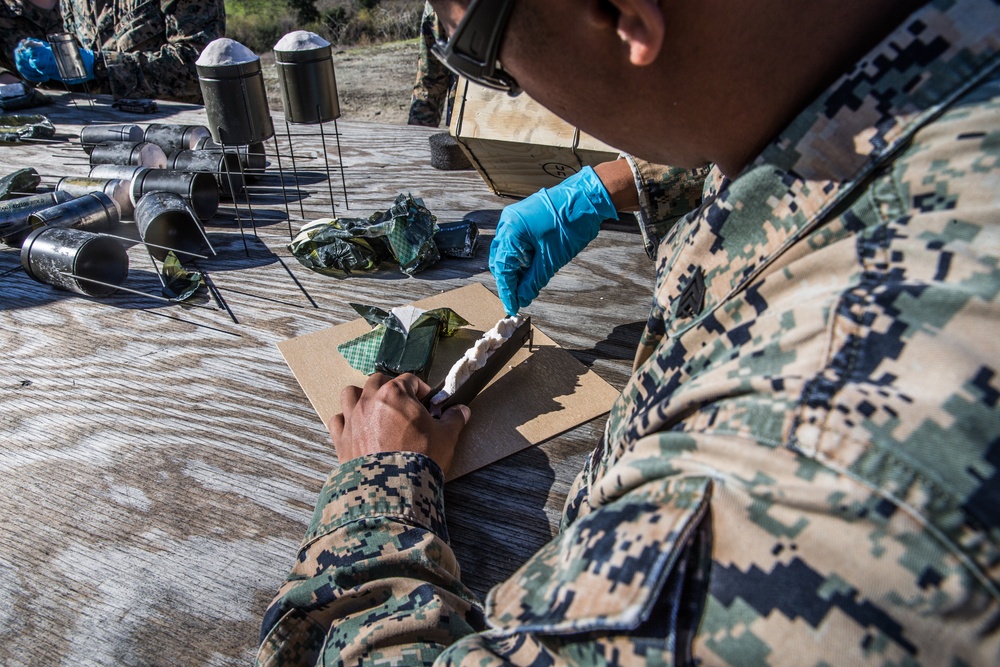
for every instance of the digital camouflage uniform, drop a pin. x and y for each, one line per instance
(150, 46)
(666, 194)
(434, 90)
(20, 19)
(804, 468)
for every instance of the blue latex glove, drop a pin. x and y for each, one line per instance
(539, 235)
(36, 62)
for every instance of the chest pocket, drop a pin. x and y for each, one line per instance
(142, 26)
(612, 568)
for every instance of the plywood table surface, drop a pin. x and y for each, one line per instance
(159, 463)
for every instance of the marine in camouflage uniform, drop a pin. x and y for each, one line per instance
(20, 19)
(149, 47)
(434, 90)
(805, 466)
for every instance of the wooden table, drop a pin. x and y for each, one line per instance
(159, 463)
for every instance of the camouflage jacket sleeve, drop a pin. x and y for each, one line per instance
(375, 579)
(150, 47)
(666, 194)
(433, 92)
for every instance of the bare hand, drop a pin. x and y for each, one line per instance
(387, 416)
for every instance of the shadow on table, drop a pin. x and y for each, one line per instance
(496, 517)
(620, 344)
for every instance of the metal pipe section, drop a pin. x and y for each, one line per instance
(166, 220)
(253, 158)
(199, 189)
(213, 162)
(116, 188)
(92, 135)
(50, 253)
(173, 138)
(124, 172)
(236, 103)
(308, 85)
(14, 215)
(93, 212)
(69, 62)
(140, 154)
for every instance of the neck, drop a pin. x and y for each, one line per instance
(779, 57)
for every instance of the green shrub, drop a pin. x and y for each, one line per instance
(258, 24)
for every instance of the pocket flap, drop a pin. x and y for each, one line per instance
(605, 571)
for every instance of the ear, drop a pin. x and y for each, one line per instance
(641, 26)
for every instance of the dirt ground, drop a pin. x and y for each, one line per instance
(374, 82)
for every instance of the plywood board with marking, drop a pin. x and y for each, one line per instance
(540, 394)
(517, 145)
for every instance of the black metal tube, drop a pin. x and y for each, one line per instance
(94, 212)
(213, 162)
(140, 154)
(168, 221)
(236, 103)
(172, 138)
(199, 189)
(115, 188)
(14, 214)
(50, 253)
(308, 85)
(69, 62)
(91, 135)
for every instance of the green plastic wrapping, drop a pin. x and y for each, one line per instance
(403, 340)
(179, 284)
(341, 246)
(19, 182)
(14, 127)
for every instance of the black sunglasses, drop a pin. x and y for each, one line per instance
(472, 50)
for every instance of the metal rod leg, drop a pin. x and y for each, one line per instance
(295, 169)
(340, 160)
(284, 192)
(232, 191)
(326, 158)
(246, 191)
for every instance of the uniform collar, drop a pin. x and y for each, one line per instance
(933, 57)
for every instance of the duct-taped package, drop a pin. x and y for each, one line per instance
(340, 246)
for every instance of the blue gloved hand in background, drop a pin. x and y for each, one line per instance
(36, 62)
(539, 235)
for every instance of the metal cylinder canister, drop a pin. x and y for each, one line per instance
(224, 166)
(166, 220)
(172, 138)
(14, 227)
(253, 157)
(308, 85)
(50, 253)
(236, 103)
(199, 189)
(139, 154)
(91, 135)
(94, 212)
(124, 172)
(116, 188)
(69, 62)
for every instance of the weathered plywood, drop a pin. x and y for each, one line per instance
(159, 463)
(517, 145)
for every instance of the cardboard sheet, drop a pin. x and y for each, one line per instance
(540, 394)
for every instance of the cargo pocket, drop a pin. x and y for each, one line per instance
(141, 27)
(611, 569)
